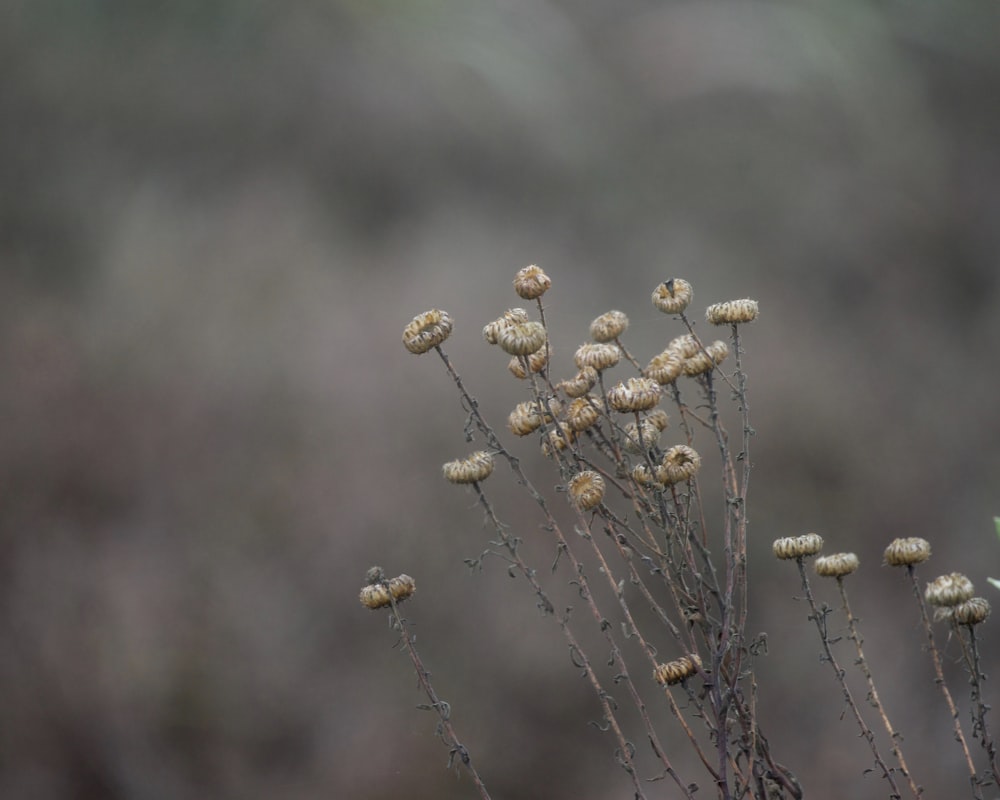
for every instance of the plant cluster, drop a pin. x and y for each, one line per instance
(631, 474)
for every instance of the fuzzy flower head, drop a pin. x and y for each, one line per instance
(599, 355)
(673, 296)
(635, 394)
(798, 546)
(427, 331)
(512, 316)
(837, 565)
(522, 338)
(680, 463)
(666, 367)
(972, 611)
(531, 283)
(609, 326)
(908, 551)
(732, 312)
(949, 590)
(586, 490)
(474, 468)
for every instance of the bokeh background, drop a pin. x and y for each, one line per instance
(216, 219)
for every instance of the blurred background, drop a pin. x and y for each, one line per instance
(218, 216)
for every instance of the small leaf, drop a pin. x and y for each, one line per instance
(994, 581)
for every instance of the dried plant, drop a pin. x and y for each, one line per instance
(640, 525)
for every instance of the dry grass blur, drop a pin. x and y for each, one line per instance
(218, 216)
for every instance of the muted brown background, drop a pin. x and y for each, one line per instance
(216, 219)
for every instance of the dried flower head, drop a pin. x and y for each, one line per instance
(531, 283)
(665, 368)
(680, 463)
(599, 355)
(580, 384)
(798, 546)
(377, 595)
(558, 439)
(474, 468)
(426, 331)
(522, 338)
(642, 475)
(659, 418)
(512, 316)
(732, 312)
(707, 359)
(527, 417)
(374, 575)
(586, 490)
(582, 413)
(673, 296)
(685, 346)
(635, 394)
(641, 438)
(911, 550)
(608, 326)
(675, 671)
(837, 565)
(972, 611)
(949, 590)
(536, 363)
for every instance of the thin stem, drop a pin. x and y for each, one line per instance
(976, 676)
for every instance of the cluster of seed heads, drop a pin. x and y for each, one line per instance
(376, 593)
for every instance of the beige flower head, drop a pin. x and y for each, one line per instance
(904, 552)
(536, 363)
(599, 355)
(680, 463)
(586, 490)
(512, 316)
(531, 283)
(837, 565)
(377, 594)
(609, 326)
(798, 546)
(666, 367)
(972, 611)
(732, 312)
(673, 296)
(635, 394)
(706, 360)
(427, 331)
(579, 384)
(676, 671)
(527, 417)
(641, 438)
(949, 590)
(582, 413)
(557, 439)
(476, 467)
(522, 338)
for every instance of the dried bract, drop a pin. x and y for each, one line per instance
(673, 296)
(635, 394)
(732, 312)
(837, 565)
(426, 331)
(586, 490)
(522, 338)
(609, 326)
(675, 671)
(512, 316)
(949, 590)
(476, 467)
(680, 463)
(911, 550)
(599, 355)
(798, 546)
(972, 611)
(531, 283)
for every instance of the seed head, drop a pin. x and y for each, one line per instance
(642, 475)
(536, 363)
(659, 418)
(527, 416)
(558, 439)
(531, 283)
(609, 326)
(374, 575)
(426, 331)
(972, 611)
(685, 346)
(675, 671)
(376, 595)
(635, 394)
(579, 384)
(474, 468)
(706, 360)
(512, 316)
(649, 439)
(522, 338)
(599, 355)
(582, 413)
(680, 463)
(798, 546)
(673, 296)
(586, 490)
(949, 590)
(732, 312)
(902, 552)
(666, 367)
(837, 565)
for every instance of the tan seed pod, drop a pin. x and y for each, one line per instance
(608, 326)
(706, 360)
(685, 346)
(557, 439)
(426, 331)
(676, 671)
(649, 439)
(377, 595)
(659, 418)
(732, 312)
(527, 416)
(599, 355)
(536, 363)
(798, 546)
(586, 490)
(642, 475)
(474, 468)
(522, 338)
(531, 283)
(401, 587)
(665, 368)
(635, 394)
(911, 550)
(673, 296)
(579, 385)
(512, 316)
(972, 611)
(680, 463)
(949, 590)
(837, 565)
(582, 413)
